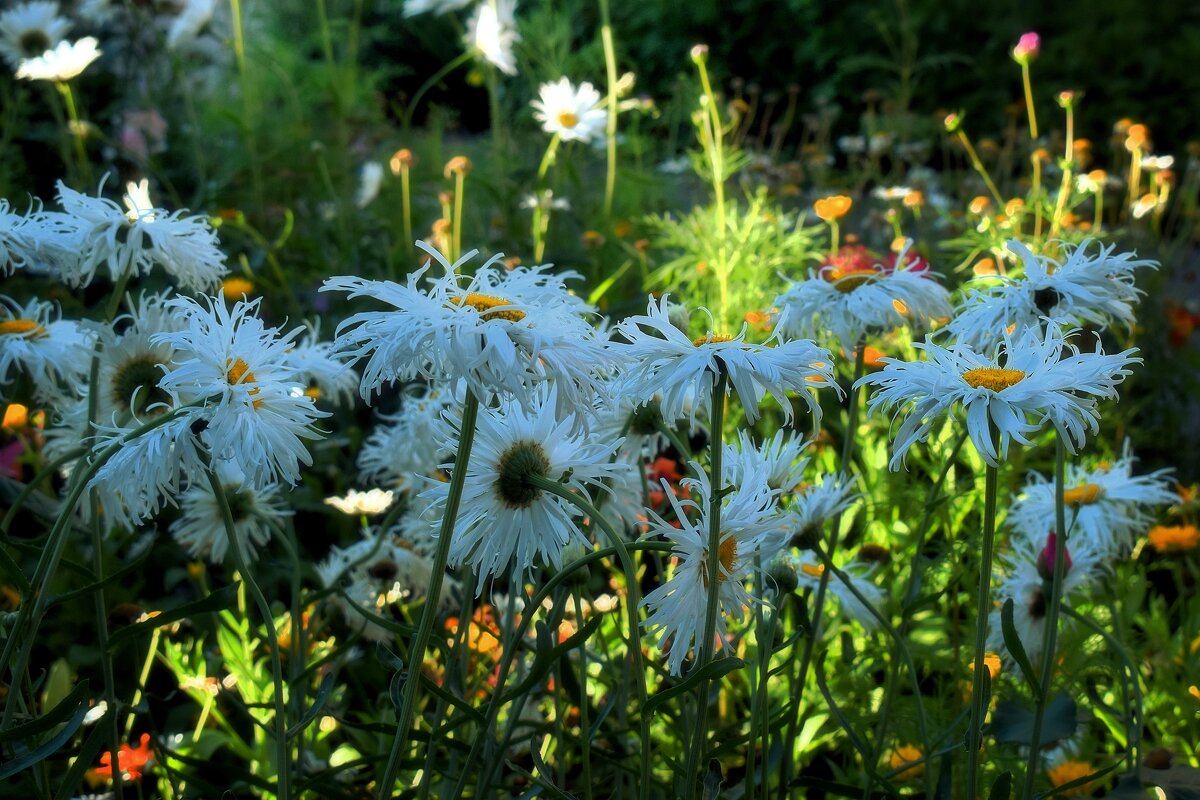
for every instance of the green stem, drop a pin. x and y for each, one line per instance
(236, 546)
(716, 156)
(979, 168)
(586, 749)
(433, 81)
(1033, 130)
(978, 709)
(75, 131)
(610, 67)
(416, 652)
(29, 488)
(460, 178)
(406, 205)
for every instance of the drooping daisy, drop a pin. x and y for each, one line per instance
(504, 523)
(61, 63)
(662, 360)
(572, 113)
(1027, 384)
(227, 359)
(810, 504)
(676, 609)
(1106, 505)
(405, 446)
(809, 571)
(492, 32)
(258, 513)
(17, 250)
(27, 30)
(500, 331)
(870, 299)
(1096, 289)
(133, 241)
(49, 351)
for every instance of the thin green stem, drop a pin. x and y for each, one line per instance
(1025, 81)
(979, 168)
(406, 208)
(420, 642)
(75, 130)
(460, 177)
(716, 156)
(434, 79)
(610, 68)
(586, 748)
(983, 603)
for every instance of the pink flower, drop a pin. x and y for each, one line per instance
(1027, 48)
(1045, 562)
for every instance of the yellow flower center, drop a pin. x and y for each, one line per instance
(1083, 495)
(21, 327)
(726, 554)
(487, 304)
(711, 338)
(239, 372)
(813, 570)
(567, 119)
(993, 378)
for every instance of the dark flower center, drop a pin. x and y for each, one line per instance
(519, 463)
(135, 384)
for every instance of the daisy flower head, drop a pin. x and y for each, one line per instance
(573, 113)
(492, 32)
(406, 446)
(1028, 383)
(505, 523)
(256, 411)
(809, 572)
(258, 514)
(61, 63)
(676, 609)
(327, 374)
(33, 340)
(810, 504)
(18, 237)
(502, 332)
(27, 30)
(1106, 505)
(134, 240)
(369, 503)
(778, 457)
(1096, 288)
(862, 299)
(664, 362)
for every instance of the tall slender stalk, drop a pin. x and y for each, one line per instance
(416, 652)
(982, 605)
(979, 168)
(1029, 110)
(610, 69)
(716, 157)
(586, 750)
(1050, 636)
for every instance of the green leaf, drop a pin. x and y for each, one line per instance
(219, 600)
(714, 669)
(1013, 642)
(322, 695)
(1012, 723)
(54, 716)
(545, 658)
(47, 749)
(608, 282)
(1002, 786)
(84, 759)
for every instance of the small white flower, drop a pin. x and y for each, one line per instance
(27, 30)
(190, 21)
(1156, 163)
(1096, 289)
(257, 513)
(370, 178)
(62, 63)
(405, 446)
(546, 201)
(891, 194)
(504, 523)
(50, 352)
(370, 503)
(136, 240)
(858, 303)
(779, 458)
(812, 504)
(327, 374)
(809, 570)
(1028, 384)
(1107, 506)
(662, 359)
(572, 113)
(852, 145)
(1144, 205)
(492, 31)
(239, 368)
(676, 609)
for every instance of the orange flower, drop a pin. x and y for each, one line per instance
(1174, 538)
(483, 634)
(979, 205)
(992, 662)
(1069, 771)
(132, 762)
(15, 416)
(833, 208)
(237, 288)
(903, 755)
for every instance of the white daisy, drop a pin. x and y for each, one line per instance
(492, 32)
(50, 352)
(572, 113)
(505, 524)
(370, 179)
(18, 236)
(28, 30)
(1094, 289)
(190, 21)
(779, 457)
(62, 63)
(853, 304)
(239, 368)
(808, 571)
(811, 504)
(406, 446)
(676, 609)
(414, 7)
(258, 513)
(370, 503)
(1107, 505)
(137, 239)
(1028, 384)
(326, 373)
(500, 331)
(662, 360)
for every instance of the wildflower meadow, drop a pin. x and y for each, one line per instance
(595, 399)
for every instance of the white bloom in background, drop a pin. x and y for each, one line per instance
(327, 374)
(48, 351)
(370, 178)
(662, 360)
(405, 446)
(370, 503)
(64, 62)
(1096, 289)
(492, 31)
(809, 570)
(258, 513)
(891, 194)
(190, 21)
(500, 331)
(414, 7)
(227, 359)
(1027, 384)
(136, 240)
(854, 304)
(28, 30)
(546, 201)
(1107, 506)
(676, 609)
(505, 524)
(1156, 163)
(811, 504)
(1144, 205)
(572, 113)
(18, 234)
(778, 457)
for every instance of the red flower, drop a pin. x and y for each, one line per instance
(133, 762)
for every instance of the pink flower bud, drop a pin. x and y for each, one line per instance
(1045, 562)
(1027, 48)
